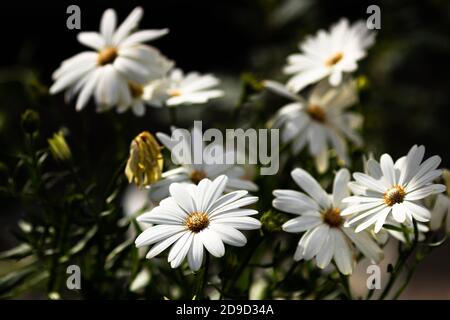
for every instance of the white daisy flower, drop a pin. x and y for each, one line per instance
(395, 188)
(329, 54)
(142, 95)
(440, 214)
(189, 172)
(119, 58)
(326, 237)
(196, 217)
(320, 121)
(192, 88)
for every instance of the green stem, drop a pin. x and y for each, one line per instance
(201, 280)
(405, 284)
(227, 285)
(172, 115)
(286, 276)
(401, 262)
(345, 284)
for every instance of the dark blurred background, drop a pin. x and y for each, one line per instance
(406, 102)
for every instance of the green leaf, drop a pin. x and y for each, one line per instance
(9, 281)
(19, 252)
(117, 253)
(394, 228)
(80, 245)
(31, 281)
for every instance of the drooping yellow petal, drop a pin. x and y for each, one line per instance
(145, 164)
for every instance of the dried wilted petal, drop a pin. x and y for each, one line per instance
(145, 163)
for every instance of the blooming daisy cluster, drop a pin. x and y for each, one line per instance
(186, 210)
(388, 193)
(123, 72)
(337, 227)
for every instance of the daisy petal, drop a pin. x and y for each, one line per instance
(342, 253)
(195, 255)
(301, 224)
(310, 186)
(212, 242)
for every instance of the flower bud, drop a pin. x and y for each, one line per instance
(59, 147)
(30, 121)
(144, 166)
(272, 221)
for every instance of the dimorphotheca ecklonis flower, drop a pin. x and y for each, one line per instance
(191, 172)
(118, 61)
(326, 237)
(144, 166)
(319, 122)
(195, 217)
(393, 188)
(179, 88)
(329, 54)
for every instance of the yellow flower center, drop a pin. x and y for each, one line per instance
(197, 221)
(197, 176)
(394, 195)
(316, 113)
(136, 89)
(332, 217)
(107, 56)
(334, 59)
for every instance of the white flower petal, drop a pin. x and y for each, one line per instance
(241, 223)
(195, 255)
(325, 253)
(425, 192)
(311, 187)
(365, 243)
(441, 206)
(399, 212)
(128, 25)
(88, 90)
(157, 233)
(108, 25)
(229, 235)
(212, 242)
(381, 219)
(356, 208)
(182, 197)
(301, 224)
(302, 199)
(387, 167)
(419, 213)
(340, 186)
(91, 39)
(369, 182)
(143, 36)
(180, 249)
(371, 219)
(234, 205)
(342, 253)
(315, 241)
(163, 245)
(225, 200)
